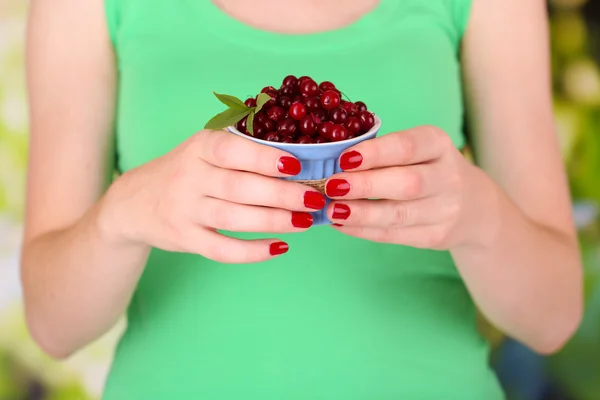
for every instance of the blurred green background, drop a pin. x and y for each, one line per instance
(573, 374)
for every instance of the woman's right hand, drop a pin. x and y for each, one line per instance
(213, 181)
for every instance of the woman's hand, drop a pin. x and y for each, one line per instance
(214, 180)
(426, 191)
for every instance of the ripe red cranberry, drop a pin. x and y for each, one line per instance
(320, 115)
(309, 88)
(270, 125)
(241, 125)
(361, 106)
(272, 137)
(267, 89)
(297, 111)
(312, 103)
(308, 126)
(287, 127)
(276, 113)
(290, 80)
(326, 85)
(350, 108)
(330, 100)
(338, 116)
(304, 140)
(285, 102)
(251, 102)
(325, 129)
(321, 139)
(287, 91)
(287, 139)
(353, 125)
(338, 133)
(367, 120)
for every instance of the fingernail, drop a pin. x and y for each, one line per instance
(350, 160)
(289, 166)
(340, 211)
(278, 248)
(302, 220)
(337, 188)
(314, 200)
(338, 225)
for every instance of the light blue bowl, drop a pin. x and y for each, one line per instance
(319, 160)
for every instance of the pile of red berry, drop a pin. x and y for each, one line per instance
(302, 111)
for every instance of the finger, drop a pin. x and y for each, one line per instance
(387, 213)
(253, 189)
(407, 147)
(395, 183)
(226, 150)
(224, 215)
(422, 236)
(228, 250)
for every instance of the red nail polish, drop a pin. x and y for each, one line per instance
(340, 211)
(338, 225)
(278, 248)
(314, 200)
(302, 220)
(337, 188)
(289, 166)
(350, 160)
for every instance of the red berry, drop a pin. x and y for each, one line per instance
(297, 98)
(261, 118)
(284, 101)
(330, 100)
(304, 140)
(308, 126)
(290, 80)
(276, 113)
(312, 103)
(287, 139)
(241, 125)
(321, 139)
(251, 102)
(309, 88)
(273, 101)
(350, 108)
(270, 125)
(302, 79)
(320, 115)
(361, 106)
(259, 130)
(367, 120)
(338, 133)
(353, 125)
(338, 116)
(287, 127)
(326, 85)
(267, 89)
(297, 111)
(287, 91)
(272, 137)
(325, 129)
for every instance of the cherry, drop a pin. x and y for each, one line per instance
(287, 139)
(297, 111)
(287, 91)
(297, 98)
(241, 125)
(308, 126)
(353, 125)
(273, 100)
(270, 125)
(366, 121)
(325, 129)
(321, 139)
(338, 116)
(350, 107)
(259, 130)
(251, 102)
(261, 118)
(361, 106)
(302, 79)
(284, 101)
(326, 85)
(272, 137)
(319, 115)
(338, 133)
(287, 127)
(304, 140)
(276, 113)
(312, 103)
(309, 88)
(267, 89)
(330, 100)
(290, 80)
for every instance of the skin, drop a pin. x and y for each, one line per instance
(510, 232)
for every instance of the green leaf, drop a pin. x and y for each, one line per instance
(227, 118)
(261, 100)
(230, 101)
(250, 123)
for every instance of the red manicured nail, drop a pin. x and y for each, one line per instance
(314, 200)
(289, 166)
(340, 211)
(337, 188)
(337, 224)
(350, 160)
(302, 220)
(278, 248)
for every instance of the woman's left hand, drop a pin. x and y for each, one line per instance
(427, 193)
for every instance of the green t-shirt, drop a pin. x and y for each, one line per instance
(337, 317)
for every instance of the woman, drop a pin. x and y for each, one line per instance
(369, 309)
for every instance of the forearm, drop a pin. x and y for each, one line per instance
(526, 278)
(77, 283)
